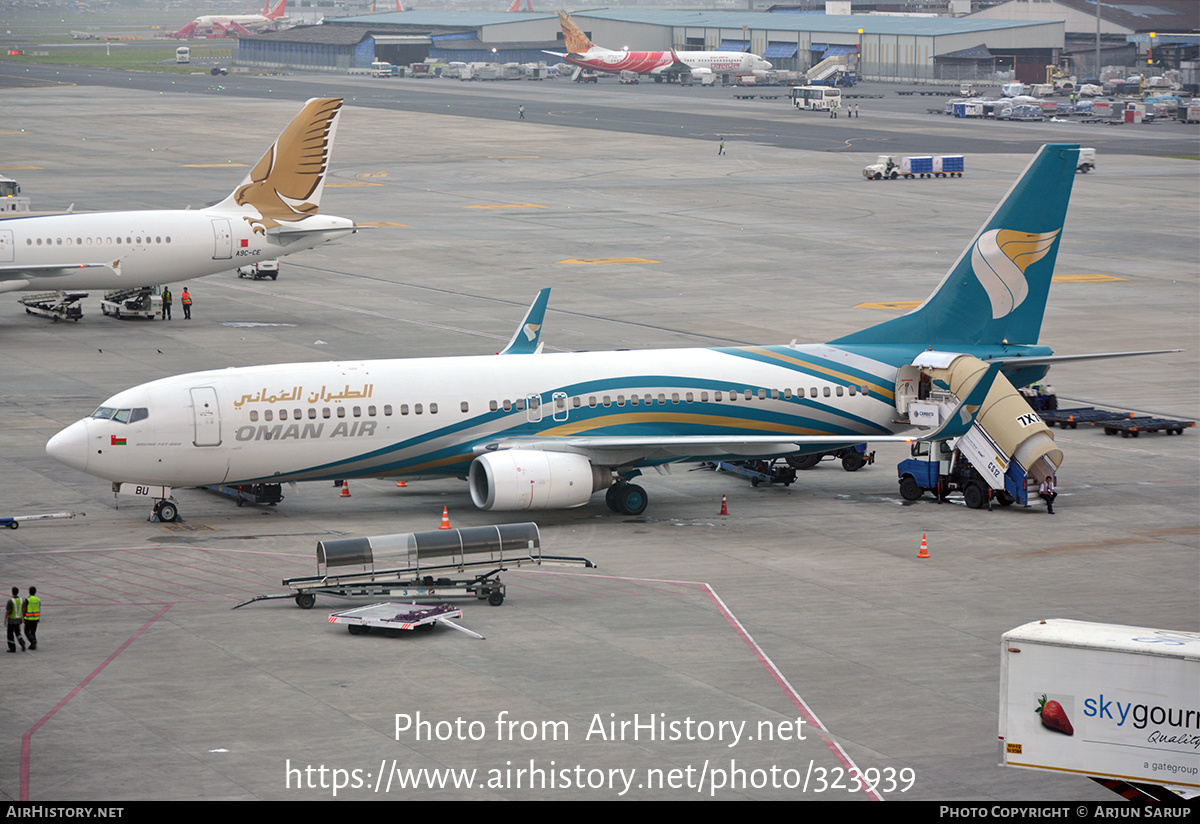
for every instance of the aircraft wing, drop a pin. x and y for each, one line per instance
(14, 277)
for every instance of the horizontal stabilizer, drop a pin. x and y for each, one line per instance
(1053, 359)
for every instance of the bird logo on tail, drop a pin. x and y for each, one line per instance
(285, 185)
(1000, 259)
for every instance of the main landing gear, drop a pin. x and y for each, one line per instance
(625, 498)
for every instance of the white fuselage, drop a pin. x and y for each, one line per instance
(115, 250)
(249, 21)
(433, 416)
(659, 62)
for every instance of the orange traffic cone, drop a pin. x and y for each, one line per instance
(345, 489)
(724, 506)
(445, 518)
(924, 553)
(401, 483)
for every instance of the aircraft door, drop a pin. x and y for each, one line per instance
(6, 246)
(561, 406)
(206, 417)
(222, 239)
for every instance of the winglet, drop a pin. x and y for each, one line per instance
(963, 417)
(286, 183)
(527, 339)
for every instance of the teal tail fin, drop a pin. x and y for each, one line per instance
(996, 291)
(527, 340)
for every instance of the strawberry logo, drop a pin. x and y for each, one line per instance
(1054, 717)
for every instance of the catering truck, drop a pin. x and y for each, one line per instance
(1115, 703)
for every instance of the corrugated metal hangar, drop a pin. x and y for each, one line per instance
(892, 48)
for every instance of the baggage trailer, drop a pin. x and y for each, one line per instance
(444, 563)
(391, 619)
(1130, 427)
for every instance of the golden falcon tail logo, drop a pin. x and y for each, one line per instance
(285, 185)
(531, 330)
(1000, 259)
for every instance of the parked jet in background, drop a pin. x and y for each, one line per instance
(272, 213)
(584, 54)
(534, 431)
(222, 25)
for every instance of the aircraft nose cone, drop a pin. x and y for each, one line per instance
(70, 446)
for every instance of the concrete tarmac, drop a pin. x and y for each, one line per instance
(773, 649)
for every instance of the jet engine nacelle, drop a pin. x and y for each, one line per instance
(533, 479)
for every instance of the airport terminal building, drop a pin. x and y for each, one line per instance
(902, 49)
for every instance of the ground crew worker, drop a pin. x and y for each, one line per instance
(166, 303)
(1046, 492)
(13, 611)
(521, 112)
(33, 613)
(185, 300)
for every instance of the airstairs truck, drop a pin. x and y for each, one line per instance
(1008, 449)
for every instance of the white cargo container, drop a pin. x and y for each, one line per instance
(1120, 702)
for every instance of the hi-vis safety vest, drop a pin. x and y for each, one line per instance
(33, 608)
(13, 612)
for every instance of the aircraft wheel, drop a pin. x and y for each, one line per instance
(804, 461)
(853, 461)
(633, 500)
(496, 598)
(612, 497)
(910, 490)
(306, 600)
(167, 511)
(974, 496)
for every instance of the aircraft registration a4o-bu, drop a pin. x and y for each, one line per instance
(274, 212)
(531, 430)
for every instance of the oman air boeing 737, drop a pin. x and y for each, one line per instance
(530, 430)
(272, 213)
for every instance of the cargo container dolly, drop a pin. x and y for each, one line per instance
(444, 563)
(1125, 424)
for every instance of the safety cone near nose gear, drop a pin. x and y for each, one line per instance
(401, 483)
(445, 518)
(724, 506)
(924, 553)
(345, 489)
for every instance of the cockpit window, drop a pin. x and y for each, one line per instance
(133, 415)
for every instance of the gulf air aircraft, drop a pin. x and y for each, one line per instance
(273, 212)
(584, 54)
(236, 23)
(531, 430)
